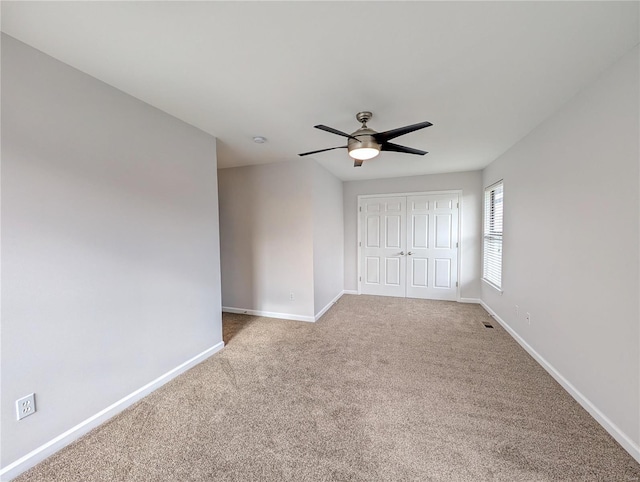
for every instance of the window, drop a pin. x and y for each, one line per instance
(492, 247)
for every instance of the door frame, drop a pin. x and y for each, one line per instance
(395, 194)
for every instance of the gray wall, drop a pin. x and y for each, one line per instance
(266, 230)
(281, 232)
(471, 185)
(571, 258)
(328, 231)
(110, 250)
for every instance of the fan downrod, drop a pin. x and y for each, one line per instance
(364, 117)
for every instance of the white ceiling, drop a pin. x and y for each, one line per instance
(484, 73)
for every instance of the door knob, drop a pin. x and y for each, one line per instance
(401, 253)
(409, 253)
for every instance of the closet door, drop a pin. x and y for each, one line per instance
(383, 241)
(432, 246)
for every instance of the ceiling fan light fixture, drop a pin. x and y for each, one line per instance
(362, 145)
(363, 153)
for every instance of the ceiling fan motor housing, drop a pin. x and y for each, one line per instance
(364, 140)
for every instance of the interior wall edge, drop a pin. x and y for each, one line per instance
(58, 443)
(328, 306)
(618, 434)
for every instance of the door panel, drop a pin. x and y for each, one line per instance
(392, 230)
(393, 271)
(420, 228)
(372, 208)
(443, 231)
(373, 232)
(372, 270)
(395, 205)
(442, 278)
(444, 203)
(419, 272)
(419, 205)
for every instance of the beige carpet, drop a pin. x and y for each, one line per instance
(380, 389)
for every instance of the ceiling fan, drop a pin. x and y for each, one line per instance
(365, 143)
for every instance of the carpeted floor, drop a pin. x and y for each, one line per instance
(380, 389)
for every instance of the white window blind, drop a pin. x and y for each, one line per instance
(492, 250)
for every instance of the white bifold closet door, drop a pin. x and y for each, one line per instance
(409, 246)
(383, 242)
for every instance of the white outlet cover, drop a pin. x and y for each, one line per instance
(26, 406)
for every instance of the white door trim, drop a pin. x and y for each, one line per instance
(417, 193)
(360, 197)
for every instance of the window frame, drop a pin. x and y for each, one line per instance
(492, 235)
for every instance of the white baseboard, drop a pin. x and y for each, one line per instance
(622, 438)
(38, 455)
(284, 316)
(329, 305)
(268, 314)
(476, 301)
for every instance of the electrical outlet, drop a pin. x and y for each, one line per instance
(292, 297)
(517, 310)
(529, 318)
(26, 406)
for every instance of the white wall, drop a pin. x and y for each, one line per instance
(571, 258)
(470, 214)
(110, 250)
(328, 240)
(266, 231)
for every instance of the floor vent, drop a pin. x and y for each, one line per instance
(487, 325)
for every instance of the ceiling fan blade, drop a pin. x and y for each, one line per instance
(322, 150)
(357, 163)
(388, 146)
(335, 131)
(400, 131)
